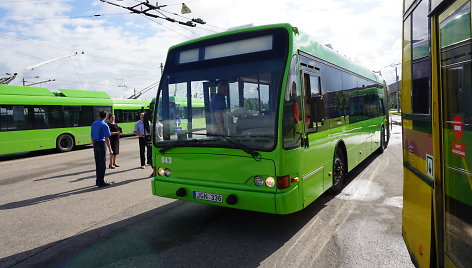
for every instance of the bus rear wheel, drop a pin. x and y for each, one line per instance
(64, 143)
(383, 141)
(339, 171)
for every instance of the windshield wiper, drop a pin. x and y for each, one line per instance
(239, 145)
(257, 136)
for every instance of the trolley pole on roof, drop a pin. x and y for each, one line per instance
(49, 61)
(45, 81)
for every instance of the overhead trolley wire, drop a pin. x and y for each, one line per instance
(166, 27)
(176, 14)
(196, 26)
(17, 1)
(81, 68)
(78, 75)
(187, 2)
(190, 19)
(186, 28)
(21, 53)
(71, 17)
(51, 45)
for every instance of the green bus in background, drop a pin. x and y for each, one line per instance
(127, 112)
(298, 118)
(34, 118)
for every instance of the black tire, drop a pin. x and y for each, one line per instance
(339, 171)
(64, 143)
(383, 142)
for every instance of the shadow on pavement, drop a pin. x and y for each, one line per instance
(49, 197)
(40, 153)
(108, 173)
(65, 175)
(179, 234)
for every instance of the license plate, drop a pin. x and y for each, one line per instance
(208, 196)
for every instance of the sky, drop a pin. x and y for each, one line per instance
(122, 52)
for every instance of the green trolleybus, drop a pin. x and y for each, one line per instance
(34, 118)
(437, 132)
(127, 112)
(271, 120)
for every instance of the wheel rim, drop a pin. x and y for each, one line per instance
(338, 171)
(65, 143)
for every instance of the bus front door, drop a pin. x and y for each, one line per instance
(455, 56)
(313, 163)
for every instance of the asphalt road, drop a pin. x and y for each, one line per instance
(52, 215)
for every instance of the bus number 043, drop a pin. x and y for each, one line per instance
(167, 160)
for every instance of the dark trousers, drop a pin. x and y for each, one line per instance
(143, 146)
(99, 151)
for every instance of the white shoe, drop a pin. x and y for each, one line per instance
(143, 167)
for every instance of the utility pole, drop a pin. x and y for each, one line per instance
(24, 81)
(399, 91)
(397, 83)
(162, 68)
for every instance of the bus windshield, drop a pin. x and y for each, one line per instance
(225, 95)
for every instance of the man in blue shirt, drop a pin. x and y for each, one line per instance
(143, 131)
(218, 107)
(99, 134)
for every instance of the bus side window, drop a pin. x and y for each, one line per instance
(291, 121)
(314, 105)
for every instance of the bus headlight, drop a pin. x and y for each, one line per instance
(270, 182)
(167, 172)
(160, 171)
(258, 180)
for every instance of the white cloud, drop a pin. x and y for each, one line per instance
(128, 49)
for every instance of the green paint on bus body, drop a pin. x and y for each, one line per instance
(39, 139)
(229, 171)
(24, 91)
(307, 44)
(73, 93)
(15, 137)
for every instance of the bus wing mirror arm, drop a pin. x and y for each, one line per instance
(304, 139)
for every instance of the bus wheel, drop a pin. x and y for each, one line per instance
(339, 171)
(383, 142)
(64, 143)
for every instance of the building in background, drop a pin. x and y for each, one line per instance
(394, 94)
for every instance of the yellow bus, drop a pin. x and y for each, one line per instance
(437, 132)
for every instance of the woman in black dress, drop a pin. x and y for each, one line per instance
(116, 132)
